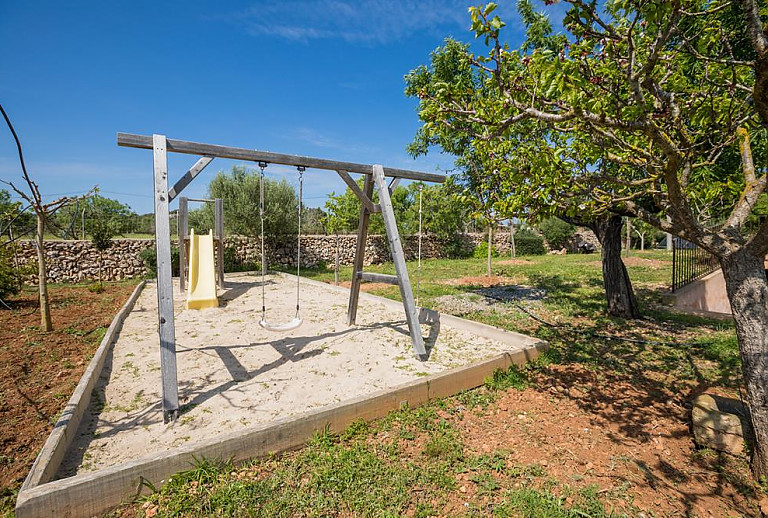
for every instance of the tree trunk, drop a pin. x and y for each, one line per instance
(747, 288)
(629, 235)
(490, 247)
(512, 240)
(42, 278)
(618, 287)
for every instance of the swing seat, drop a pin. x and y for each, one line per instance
(279, 328)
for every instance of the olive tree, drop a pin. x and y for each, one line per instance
(637, 107)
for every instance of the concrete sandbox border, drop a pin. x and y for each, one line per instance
(93, 493)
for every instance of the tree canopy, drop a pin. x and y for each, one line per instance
(639, 107)
(239, 190)
(656, 110)
(444, 213)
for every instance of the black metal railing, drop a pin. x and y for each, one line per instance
(689, 263)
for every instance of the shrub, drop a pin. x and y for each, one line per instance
(10, 277)
(528, 242)
(457, 247)
(481, 251)
(233, 264)
(149, 258)
(557, 232)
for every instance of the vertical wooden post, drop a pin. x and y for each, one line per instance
(398, 257)
(336, 267)
(362, 235)
(183, 232)
(165, 282)
(219, 221)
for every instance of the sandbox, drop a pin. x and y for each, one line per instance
(245, 391)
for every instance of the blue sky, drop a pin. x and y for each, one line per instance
(320, 78)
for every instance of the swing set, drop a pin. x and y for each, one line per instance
(374, 175)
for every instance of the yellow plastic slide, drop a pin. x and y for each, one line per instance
(201, 293)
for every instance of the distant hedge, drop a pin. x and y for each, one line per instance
(528, 242)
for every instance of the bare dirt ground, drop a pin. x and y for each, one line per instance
(481, 280)
(232, 373)
(513, 262)
(653, 264)
(582, 428)
(39, 371)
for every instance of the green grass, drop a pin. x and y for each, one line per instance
(364, 472)
(409, 462)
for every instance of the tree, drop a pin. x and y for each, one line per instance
(640, 106)
(239, 190)
(343, 211)
(43, 213)
(105, 218)
(557, 232)
(451, 68)
(313, 221)
(14, 219)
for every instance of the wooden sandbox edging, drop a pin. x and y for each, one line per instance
(51, 455)
(93, 493)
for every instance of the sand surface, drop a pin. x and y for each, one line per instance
(233, 374)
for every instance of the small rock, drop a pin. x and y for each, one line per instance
(720, 423)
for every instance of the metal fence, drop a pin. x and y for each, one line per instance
(689, 263)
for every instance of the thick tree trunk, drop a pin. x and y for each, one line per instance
(618, 288)
(42, 274)
(629, 236)
(747, 288)
(490, 248)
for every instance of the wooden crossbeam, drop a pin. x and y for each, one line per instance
(378, 277)
(188, 177)
(252, 155)
(365, 200)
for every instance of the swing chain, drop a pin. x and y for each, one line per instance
(262, 166)
(301, 170)
(418, 269)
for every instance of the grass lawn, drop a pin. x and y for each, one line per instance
(598, 427)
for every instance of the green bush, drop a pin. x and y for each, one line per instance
(10, 277)
(233, 264)
(528, 242)
(457, 247)
(557, 232)
(481, 251)
(149, 258)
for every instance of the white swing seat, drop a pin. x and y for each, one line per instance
(278, 328)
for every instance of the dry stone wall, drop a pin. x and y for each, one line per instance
(76, 261)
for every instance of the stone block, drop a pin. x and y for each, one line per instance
(720, 423)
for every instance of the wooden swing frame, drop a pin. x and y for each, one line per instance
(375, 175)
